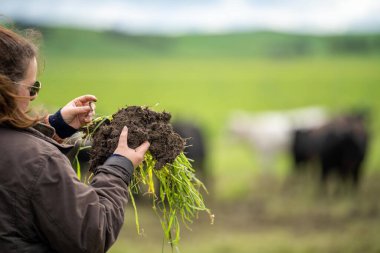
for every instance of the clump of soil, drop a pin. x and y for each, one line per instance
(143, 124)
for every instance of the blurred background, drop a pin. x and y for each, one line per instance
(280, 99)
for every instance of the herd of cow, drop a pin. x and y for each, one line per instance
(336, 145)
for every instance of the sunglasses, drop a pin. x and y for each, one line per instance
(34, 89)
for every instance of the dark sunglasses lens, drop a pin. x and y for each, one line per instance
(35, 88)
(37, 84)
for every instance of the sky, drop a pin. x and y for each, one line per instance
(176, 17)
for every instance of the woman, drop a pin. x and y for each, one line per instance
(44, 207)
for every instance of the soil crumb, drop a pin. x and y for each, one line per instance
(143, 124)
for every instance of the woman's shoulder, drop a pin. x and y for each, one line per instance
(29, 156)
(30, 148)
(26, 142)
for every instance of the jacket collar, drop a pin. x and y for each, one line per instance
(46, 133)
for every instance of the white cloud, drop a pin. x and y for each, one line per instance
(217, 16)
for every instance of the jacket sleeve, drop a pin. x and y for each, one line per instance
(74, 217)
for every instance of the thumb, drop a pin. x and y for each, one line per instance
(143, 147)
(123, 139)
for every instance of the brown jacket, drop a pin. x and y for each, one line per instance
(43, 205)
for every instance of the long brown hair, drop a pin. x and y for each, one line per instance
(16, 52)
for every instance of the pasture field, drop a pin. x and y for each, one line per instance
(277, 216)
(206, 79)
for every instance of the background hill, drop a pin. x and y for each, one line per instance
(241, 45)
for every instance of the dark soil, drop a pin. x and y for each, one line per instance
(143, 124)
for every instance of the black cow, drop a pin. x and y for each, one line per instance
(340, 147)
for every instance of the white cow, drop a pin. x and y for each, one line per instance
(270, 133)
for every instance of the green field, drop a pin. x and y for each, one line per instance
(205, 78)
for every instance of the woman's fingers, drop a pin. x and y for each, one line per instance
(143, 147)
(86, 99)
(123, 139)
(79, 110)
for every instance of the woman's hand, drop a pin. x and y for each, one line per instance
(79, 111)
(135, 155)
